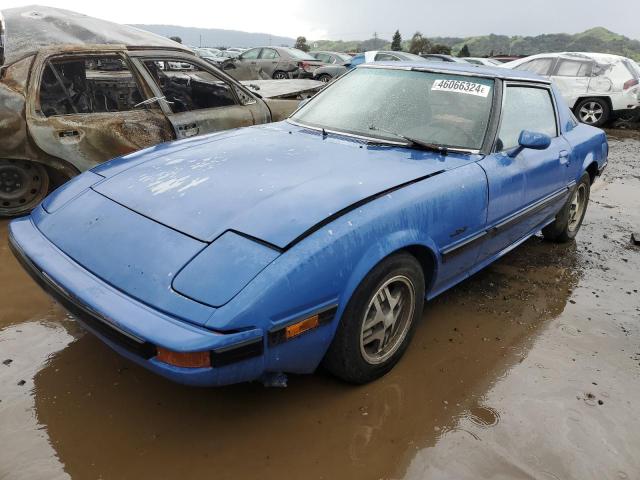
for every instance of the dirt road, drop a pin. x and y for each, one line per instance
(530, 369)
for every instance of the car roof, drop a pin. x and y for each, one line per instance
(462, 69)
(591, 55)
(30, 28)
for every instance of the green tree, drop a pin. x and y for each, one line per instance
(301, 44)
(419, 44)
(396, 42)
(464, 51)
(441, 49)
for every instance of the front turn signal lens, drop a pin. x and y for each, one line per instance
(184, 359)
(301, 327)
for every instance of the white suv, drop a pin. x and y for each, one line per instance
(597, 86)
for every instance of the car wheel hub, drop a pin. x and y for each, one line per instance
(591, 112)
(20, 182)
(387, 319)
(576, 207)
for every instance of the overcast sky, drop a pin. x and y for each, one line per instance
(359, 19)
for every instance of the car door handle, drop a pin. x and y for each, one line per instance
(68, 133)
(189, 130)
(564, 158)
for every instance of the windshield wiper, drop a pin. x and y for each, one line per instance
(414, 142)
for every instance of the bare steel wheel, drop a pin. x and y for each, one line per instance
(378, 321)
(23, 184)
(577, 207)
(387, 319)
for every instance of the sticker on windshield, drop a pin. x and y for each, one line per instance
(461, 86)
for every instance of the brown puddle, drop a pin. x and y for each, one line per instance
(528, 370)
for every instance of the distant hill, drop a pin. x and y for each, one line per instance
(596, 39)
(215, 37)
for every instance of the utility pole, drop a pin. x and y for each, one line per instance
(200, 40)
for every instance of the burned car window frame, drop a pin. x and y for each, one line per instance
(140, 61)
(80, 55)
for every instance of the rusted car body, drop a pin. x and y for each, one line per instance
(76, 91)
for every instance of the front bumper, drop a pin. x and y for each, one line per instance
(130, 327)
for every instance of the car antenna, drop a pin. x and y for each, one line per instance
(324, 133)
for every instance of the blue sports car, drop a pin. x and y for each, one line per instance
(272, 249)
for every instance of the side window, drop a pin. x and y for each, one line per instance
(525, 108)
(573, 68)
(250, 54)
(541, 66)
(268, 54)
(187, 86)
(87, 85)
(385, 57)
(323, 57)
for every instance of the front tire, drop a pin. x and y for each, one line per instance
(378, 322)
(569, 219)
(23, 185)
(280, 75)
(325, 78)
(593, 111)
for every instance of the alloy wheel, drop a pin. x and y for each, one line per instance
(591, 113)
(387, 319)
(577, 207)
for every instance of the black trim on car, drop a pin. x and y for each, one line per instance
(237, 352)
(356, 205)
(81, 312)
(131, 343)
(459, 247)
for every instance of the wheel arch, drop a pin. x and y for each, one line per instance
(421, 246)
(594, 97)
(592, 170)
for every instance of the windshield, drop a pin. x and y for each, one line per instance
(344, 57)
(439, 108)
(299, 54)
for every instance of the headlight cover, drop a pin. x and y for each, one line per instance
(220, 271)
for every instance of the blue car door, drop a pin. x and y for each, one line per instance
(526, 186)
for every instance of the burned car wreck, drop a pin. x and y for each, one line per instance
(76, 91)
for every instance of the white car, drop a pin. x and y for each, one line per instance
(597, 86)
(489, 62)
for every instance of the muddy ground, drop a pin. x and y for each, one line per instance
(530, 369)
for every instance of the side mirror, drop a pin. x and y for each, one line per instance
(532, 140)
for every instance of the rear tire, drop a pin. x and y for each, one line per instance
(325, 78)
(593, 111)
(379, 320)
(569, 219)
(23, 185)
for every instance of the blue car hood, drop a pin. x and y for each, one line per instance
(272, 182)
